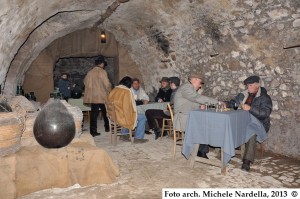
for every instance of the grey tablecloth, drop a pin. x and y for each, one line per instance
(152, 105)
(228, 130)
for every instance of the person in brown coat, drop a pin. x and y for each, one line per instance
(97, 88)
(126, 113)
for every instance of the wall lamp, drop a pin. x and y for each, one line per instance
(103, 37)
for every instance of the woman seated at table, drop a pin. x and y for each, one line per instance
(155, 116)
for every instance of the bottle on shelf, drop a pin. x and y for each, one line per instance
(19, 89)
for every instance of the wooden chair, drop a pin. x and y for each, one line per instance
(167, 123)
(262, 148)
(114, 127)
(241, 151)
(178, 135)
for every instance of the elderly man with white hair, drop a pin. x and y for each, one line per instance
(187, 99)
(255, 100)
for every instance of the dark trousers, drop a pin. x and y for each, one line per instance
(94, 115)
(155, 118)
(66, 98)
(203, 148)
(250, 149)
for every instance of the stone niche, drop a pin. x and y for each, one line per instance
(78, 67)
(29, 167)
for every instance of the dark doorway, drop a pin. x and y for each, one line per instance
(77, 68)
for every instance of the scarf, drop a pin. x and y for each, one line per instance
(250, 98)
(165, 89)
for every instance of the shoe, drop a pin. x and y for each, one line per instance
(107, 129)
(148, 132)
(95, 134)
(157, 132)
(238, 148)
(125, 138)
(246, 165)
(140, 141)
(202, 155)
(165, 133)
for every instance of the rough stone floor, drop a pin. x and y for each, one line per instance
(147, 168)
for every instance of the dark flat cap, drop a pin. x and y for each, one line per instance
(164, 79)
(175, 80)
(196, 75)
(251, 80)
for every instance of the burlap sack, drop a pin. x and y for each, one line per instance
(80, 162)
(38, 168)
(7, 179)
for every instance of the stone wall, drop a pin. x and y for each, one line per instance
(226, 40)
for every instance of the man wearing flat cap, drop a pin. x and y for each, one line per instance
(255, 100)
(155, 116)
(187, 99)
(164, 93)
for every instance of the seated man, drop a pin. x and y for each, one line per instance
(155, 116)
(126, 112)
(255, 100)
(138, 92)
(164, 93)
(187, 99)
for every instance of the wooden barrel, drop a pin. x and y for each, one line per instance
(27, 113)
(29, 122)
(11, 128)
(17, 102)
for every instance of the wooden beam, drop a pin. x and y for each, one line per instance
(292, 40)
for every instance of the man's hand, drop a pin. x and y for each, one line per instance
(159, 100)
(146, 101)
(202, 107)
(222, 104)
(246, 107)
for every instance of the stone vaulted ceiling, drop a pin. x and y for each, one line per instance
(225, 40)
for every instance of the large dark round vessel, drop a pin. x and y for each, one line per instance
(54, 126)
(76, 93)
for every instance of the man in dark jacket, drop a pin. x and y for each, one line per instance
(255, 100)
(155, 116)
(164, 93)
(64, 86)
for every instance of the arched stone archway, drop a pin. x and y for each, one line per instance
(39, 77)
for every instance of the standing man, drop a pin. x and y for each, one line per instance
(64, 86)
(255, 100)
(138, 92)
(164, 93)
(97, 88)
(187, 99)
